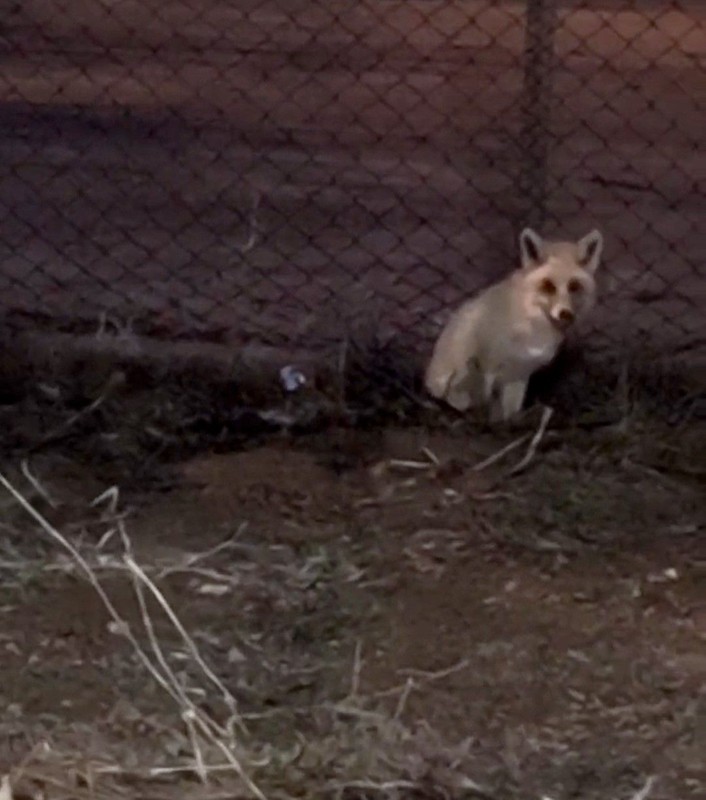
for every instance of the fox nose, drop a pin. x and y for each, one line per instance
(566, 316)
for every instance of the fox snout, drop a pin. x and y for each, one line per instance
(563, 316)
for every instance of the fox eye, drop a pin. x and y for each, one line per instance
(547, 287)
(575, 286)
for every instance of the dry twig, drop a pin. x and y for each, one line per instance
(495, 457)
(536, 439)
(116, 379)
(646, 789)
(37, 486)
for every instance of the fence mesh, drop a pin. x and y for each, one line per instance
(288, 170)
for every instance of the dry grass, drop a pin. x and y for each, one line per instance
(356, 744)
(204, 732)
(347, 742)
(353, 744)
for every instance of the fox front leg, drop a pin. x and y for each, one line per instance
(512, 398)
(461, 393)
(458, 397)
(466, 389)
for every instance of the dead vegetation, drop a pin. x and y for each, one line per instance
(366, 612)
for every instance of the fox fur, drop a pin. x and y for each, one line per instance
(495, 341)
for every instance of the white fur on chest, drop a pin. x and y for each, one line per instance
(539, 352)
(535, 345)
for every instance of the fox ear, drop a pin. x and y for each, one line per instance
(531, 247)
(589, 250)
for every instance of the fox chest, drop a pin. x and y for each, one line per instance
(537, 353)
(526, 351)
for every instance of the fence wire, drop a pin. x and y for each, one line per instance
(289, 171)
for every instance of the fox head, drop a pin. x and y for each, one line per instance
(558, 277)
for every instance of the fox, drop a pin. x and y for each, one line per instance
(494, 342)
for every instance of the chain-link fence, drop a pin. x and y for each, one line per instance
(292, 170)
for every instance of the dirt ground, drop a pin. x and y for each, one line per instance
(356, 613)
(198, 599)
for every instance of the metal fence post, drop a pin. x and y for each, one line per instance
(540, 30)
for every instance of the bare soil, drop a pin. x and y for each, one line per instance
(390, 619)
(365, 612)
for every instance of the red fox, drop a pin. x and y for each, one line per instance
(495, 341)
